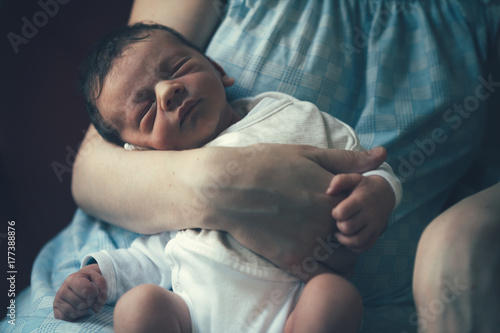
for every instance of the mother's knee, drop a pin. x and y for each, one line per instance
(456, 267)
(463, 234)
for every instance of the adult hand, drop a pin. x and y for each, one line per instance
(276, 204)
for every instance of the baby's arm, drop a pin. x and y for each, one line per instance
(363, 215)
(80, 292)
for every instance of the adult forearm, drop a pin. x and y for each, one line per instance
(140, 191)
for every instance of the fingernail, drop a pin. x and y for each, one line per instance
(374, 151)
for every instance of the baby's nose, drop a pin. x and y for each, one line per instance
(169, 94)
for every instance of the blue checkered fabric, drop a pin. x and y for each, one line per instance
(407, 75)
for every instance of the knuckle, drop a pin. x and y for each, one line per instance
(87, 291)
(308, 148)
(342, 177)
(343, 227)
(57, 313)
(356, 242)
(350, 157)
(340, 213)
(62, 312)
(83, 306)
(72, 278)
(62, 293)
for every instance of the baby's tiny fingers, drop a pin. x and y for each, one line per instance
(81, 285)
(343, 182)
(76, 301)
(96, 307)
(99, 282)
(358, 243)
(65, 311)
(347, 209)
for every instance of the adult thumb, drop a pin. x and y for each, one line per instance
(348, 161)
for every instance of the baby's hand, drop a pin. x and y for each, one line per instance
(363, 215)
(80, 292)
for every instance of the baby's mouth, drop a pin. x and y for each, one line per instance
(185, 109)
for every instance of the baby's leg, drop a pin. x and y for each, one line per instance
(151, 308)
(328, 303)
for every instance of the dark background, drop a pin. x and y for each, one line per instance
(43, 118)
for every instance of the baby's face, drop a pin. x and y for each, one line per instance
(162, 94)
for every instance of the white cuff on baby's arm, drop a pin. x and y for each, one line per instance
(392, 180)
(107, 271)
(131, 147)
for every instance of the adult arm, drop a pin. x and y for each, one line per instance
(195, 19)
(272, 198)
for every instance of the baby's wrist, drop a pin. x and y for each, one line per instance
(92, 266)
(392, 181)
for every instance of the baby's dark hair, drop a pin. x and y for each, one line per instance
(98, 62)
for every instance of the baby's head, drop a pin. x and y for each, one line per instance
(147, 85)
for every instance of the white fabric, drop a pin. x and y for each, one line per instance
(143, 262)
(227, 287)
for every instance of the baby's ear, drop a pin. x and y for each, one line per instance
(227, 81)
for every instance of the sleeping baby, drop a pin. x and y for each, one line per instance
(147, 88)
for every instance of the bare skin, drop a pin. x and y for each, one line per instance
(81, 292)
(313, 312)
(457, 267)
